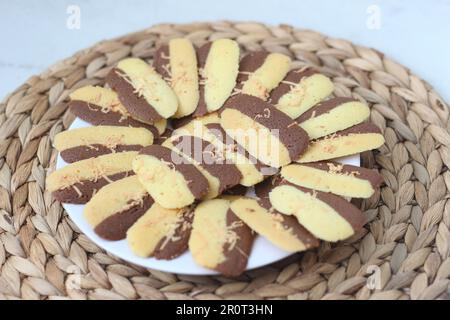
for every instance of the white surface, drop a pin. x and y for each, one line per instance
(414, 32)
(263, 252)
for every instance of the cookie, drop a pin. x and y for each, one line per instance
(281, 230)
(209, 129)
(356, 139)
(79, 181)
(218, 63)
(341, 179)
(260, 72)
(219, 239)
(177, 63)
(209, 160)
(83, 143)
(264, 131)
(116, 207)
(333, 115)
(300, 90)
(142, 91)
(327, 216)
(170, 179)
(102, 107)
(161, 233)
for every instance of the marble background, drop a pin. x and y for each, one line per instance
(34, 33)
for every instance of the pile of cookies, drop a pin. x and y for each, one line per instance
(203, 150)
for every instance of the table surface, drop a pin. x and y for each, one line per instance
(36, 33)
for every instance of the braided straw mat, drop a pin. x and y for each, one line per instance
(403, 252)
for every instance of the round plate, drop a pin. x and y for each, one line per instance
(263, 252)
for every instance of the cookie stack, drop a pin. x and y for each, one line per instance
(203, 150)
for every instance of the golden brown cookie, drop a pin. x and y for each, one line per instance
(219, 239)
(177, 63)
(116, 207)
(356, 139)
(142, 91)
(218, 67)
(79, 181)
(170, 179)
(83, 143)
(161, 233)
(264, 131)
(327, 176)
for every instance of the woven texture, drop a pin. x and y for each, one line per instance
(404, 250)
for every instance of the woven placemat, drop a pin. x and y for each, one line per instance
(403, 252)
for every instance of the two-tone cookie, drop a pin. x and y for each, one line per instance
(169, 178)
(333, 115)
(161, 233)
(218, 63)
(83, 143)
(102, 107)
(300, 90)
(341, 179)
(79, 181)
(264, 131)
(209, 160)
(142, 91)
(282, 230)
(219, 239)
(327, 216)
(362, 137)
(116, 207)
(177, 63)
(260, 72)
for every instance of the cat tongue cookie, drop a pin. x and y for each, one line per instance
(79, 181)
(116, 207)
(219, 239)
(333, 115)
(282, 230)
(161, 233)
(327, 216)
(300, 90)
(142, 91)
(362, 137)
(264, 131)
(327, 176)
(169, 178)
(83, 143)
(102, 107)
(177, 63)
(218, 63)
(260, 72)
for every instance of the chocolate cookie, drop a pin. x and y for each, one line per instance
(260, 72)
(142, 91)
(83, 143)
(341, 179)
(282, 230)
(102, 107)
(327, 216)
(170, 179)
(177, 63)
(116, 207)
(300, 90)
(356, 139)
(209, 160)
(79, 181)
(265, 132)
(219, 239)
(333, 115)
(161, 233)
(218, 63)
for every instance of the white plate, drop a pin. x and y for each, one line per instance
(263, 251)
